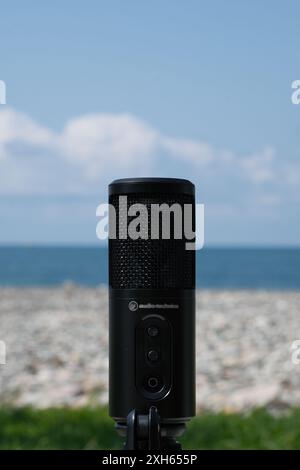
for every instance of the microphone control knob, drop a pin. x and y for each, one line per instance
(153, 355)
(152, 331)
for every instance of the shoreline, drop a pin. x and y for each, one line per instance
(73, 285)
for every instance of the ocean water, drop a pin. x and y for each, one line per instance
(233, 268)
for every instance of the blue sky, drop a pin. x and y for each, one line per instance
(98, 90)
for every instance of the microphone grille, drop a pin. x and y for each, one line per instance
(151, 263)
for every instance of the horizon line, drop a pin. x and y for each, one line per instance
(104, 245)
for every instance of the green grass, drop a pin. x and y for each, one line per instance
(89, 428)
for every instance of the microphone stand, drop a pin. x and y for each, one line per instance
(143, 432)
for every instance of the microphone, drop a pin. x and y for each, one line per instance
(151, 309)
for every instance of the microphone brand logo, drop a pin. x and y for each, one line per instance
(159, 306)
(133, 306)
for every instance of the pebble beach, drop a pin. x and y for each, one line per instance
(57, 348)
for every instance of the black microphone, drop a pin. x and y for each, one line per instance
(151, 309)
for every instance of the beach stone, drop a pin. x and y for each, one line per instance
(256, 396)
(57, 347)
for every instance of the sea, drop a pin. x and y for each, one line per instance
(217, 268)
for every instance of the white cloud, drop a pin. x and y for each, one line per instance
(259, 167)
(18, 127)
(97, 141)
(194, 152)
(94, 148)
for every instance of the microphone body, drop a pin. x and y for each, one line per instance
(151, 308)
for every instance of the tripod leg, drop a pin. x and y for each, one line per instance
(154, 429)
(131, 442)
(143, 431)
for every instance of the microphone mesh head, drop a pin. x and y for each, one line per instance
(151, 263)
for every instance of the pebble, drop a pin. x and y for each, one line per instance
(57, 348)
